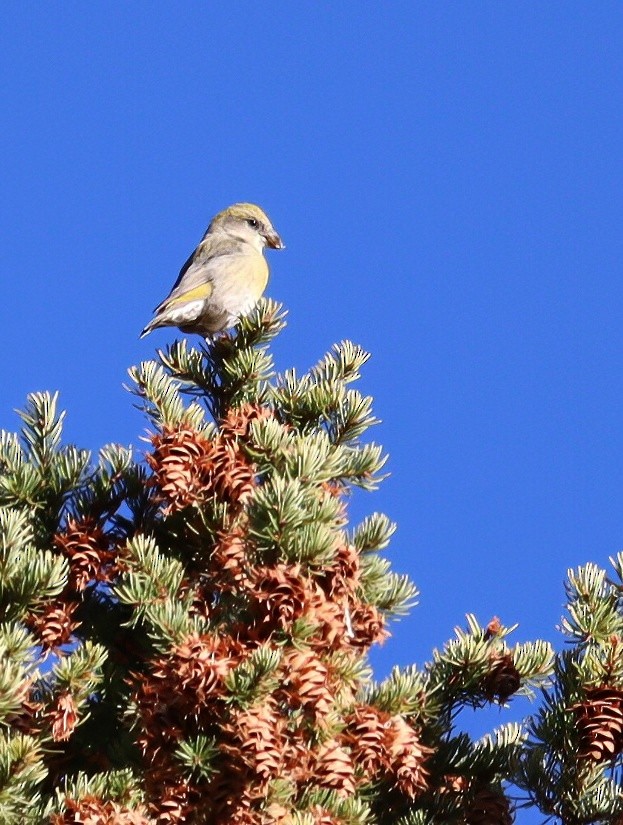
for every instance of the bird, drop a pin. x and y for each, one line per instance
(225, 276)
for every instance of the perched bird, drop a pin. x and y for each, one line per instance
(224, 277)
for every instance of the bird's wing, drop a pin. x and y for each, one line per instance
(194, 281)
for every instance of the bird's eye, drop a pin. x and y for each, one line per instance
(253, 223)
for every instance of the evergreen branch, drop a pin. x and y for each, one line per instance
(352, 417)
(374, 533)
(22, 770)
(255, 678)
(244, 613)
(11, 453)
(362, 466)
(197, 756)
(171, 622)
(80, 672)
(43, 428)
(150, 576)
(534, 662)
(404, 691)
(349, 811)
(397, 596)
(28, 576)
(262, 324)
(161, 398)
(188, 365)
(496, 753)
(341, 365)
(13, 681)
(594, 606)
(294, 521)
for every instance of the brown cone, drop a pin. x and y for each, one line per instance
(53, 623)
(88, 550)
(600, 724)
(503, 679)
(335, 769)
(489, 807)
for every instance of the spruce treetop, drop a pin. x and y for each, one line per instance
(184, 633)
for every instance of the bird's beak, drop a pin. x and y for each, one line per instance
(274, 241)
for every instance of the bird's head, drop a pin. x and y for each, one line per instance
(249, 223)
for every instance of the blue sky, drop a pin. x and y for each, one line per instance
(447, 179)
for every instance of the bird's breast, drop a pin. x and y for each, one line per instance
(240, 284)
(249, 275)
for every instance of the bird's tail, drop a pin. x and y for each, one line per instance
(147, 329)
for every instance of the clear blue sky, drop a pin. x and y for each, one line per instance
(448, 180)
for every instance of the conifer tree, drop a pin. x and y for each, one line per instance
(184, 635)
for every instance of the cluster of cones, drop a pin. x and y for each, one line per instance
(303, 728)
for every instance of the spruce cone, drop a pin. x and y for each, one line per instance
(454, 783)
(329, 618)
(489, 807)
(280, 595)
(179, 464)
(28, 718)
(88, 551)
(503, 679)
(493, 628)
(324, 817)
(229, 797)
(368, 625)
(258, 736)
(306, 682)
(194, 671)
(233, 477)
(342, 577)
(230, 560)
(407, 758)
(366, 734)
(53, 625)
(600, 724)
(388, 747)
(64, 717)
(183, 685)
(334, 769)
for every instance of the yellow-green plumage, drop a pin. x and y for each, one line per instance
(224, 277)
